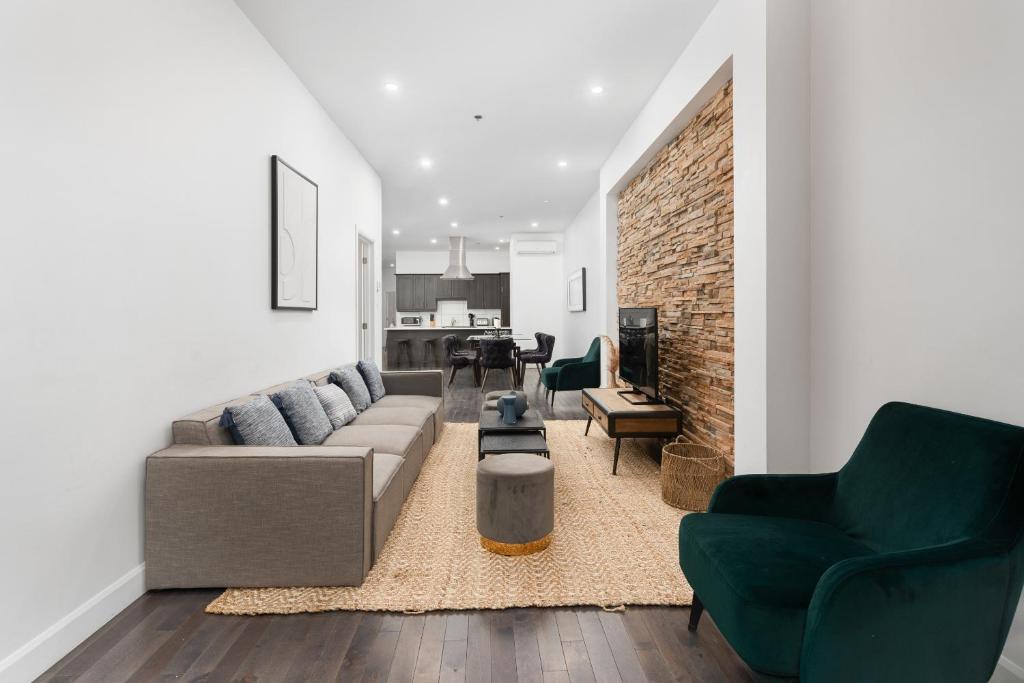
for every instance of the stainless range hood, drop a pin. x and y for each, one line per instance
(457, 269)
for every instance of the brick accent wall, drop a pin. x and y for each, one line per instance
(676, 253)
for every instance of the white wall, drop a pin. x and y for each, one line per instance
(426, 262)
(917, 216)
(583, 250)
(537, 289)
(136, 284)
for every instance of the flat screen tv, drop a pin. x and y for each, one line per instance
(638, 353)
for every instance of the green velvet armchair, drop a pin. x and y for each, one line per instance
(567, 374)
(906, 565)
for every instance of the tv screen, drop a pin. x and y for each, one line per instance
(638, 349)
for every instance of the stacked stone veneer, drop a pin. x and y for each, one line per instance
(676, 253)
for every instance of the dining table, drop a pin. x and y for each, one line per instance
(518, 369)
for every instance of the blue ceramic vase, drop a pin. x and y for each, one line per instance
(511, 406)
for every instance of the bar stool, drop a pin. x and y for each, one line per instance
(430, 350)
(404, 346)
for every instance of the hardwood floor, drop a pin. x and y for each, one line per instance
(166, 635)
(462, 399)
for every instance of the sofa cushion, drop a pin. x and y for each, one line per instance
(336, 403)
(371, 375)
(349, 379)
(756, 576)
(399, 439)
(302, 411)
(409, 416)
(414, 401)
(257, 423)
(388, 496)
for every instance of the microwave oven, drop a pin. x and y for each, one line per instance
(412, 321)
(482, 322)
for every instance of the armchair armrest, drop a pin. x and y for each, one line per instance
(935, 614)
(565, 361)
(415, 383)
(258, 516)
(578, 375)
(804, 496)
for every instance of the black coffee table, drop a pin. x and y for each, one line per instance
(528, 435)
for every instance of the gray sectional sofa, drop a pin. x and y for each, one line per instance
(218, 514)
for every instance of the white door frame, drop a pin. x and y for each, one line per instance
(365, 296)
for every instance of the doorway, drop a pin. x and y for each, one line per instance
(365, 296)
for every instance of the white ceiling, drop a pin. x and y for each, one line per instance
(526, 66)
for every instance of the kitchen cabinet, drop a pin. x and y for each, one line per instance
(460, 289)
(505, 298)
(409, 293)
(483, 291)
(430, 283)
(420, 293)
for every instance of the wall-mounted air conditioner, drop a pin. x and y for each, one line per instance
(536, 247)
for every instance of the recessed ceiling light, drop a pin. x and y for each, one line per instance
(395, 232)
(426, 162)
(433, 240)
(563, 163)
(597, 89)
(454, 224)
(497, 249)
(391, 265)
(547, 201)
(502, 240)
(535, 224)
(391, 86)
(443, 201)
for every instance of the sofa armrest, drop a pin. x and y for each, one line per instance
(804, 496)
(258, 516)
(934, 614)
(415, 383)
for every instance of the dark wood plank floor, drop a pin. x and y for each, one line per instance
(462, 399)
(166, 635)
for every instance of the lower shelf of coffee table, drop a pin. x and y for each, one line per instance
(514, 442)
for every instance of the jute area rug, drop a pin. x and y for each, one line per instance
(615, 541)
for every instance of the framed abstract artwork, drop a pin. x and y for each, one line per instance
(293, 247)
(577, 291)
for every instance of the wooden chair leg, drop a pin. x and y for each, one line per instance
(483, 381)
(696, 610)
(451, 377)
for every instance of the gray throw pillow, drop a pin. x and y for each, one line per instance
(348, 378)
(302, 411)
(371, 375)
(257, 423)
(336, 404)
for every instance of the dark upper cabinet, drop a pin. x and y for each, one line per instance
(430, 283)
(484, 291)
(504, 298)
(460, 289)
(444, 288)
(408, 293)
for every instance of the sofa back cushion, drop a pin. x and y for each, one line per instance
(202, 428)
(351, 382)
(922, 476)
(337, 405)
(257, 423)
(303, 413)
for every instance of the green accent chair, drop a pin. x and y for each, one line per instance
(906, 565)
(568, 374)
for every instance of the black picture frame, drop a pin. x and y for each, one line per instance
(277, 167)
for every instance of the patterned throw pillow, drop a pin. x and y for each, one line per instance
(302, 411)
(257, 423)
(348, 378)
(371, 375)
(336, 404)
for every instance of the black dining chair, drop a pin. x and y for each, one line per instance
(457, 359)
(539, 356)
(497, 354)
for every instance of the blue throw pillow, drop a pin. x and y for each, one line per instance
(257, 423)
(371, 375)
(337, 405)
(348, 378)
(302, 411)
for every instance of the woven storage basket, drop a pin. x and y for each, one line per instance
(689, 474)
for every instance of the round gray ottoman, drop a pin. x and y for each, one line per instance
(515, 503)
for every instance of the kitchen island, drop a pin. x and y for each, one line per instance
(425, 356)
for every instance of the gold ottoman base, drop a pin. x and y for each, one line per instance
(514, 549)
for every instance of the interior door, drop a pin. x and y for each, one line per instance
(365, 298)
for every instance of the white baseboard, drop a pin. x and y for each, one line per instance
(46, 649)
(1008, 671)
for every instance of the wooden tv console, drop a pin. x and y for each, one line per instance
(621, 419)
